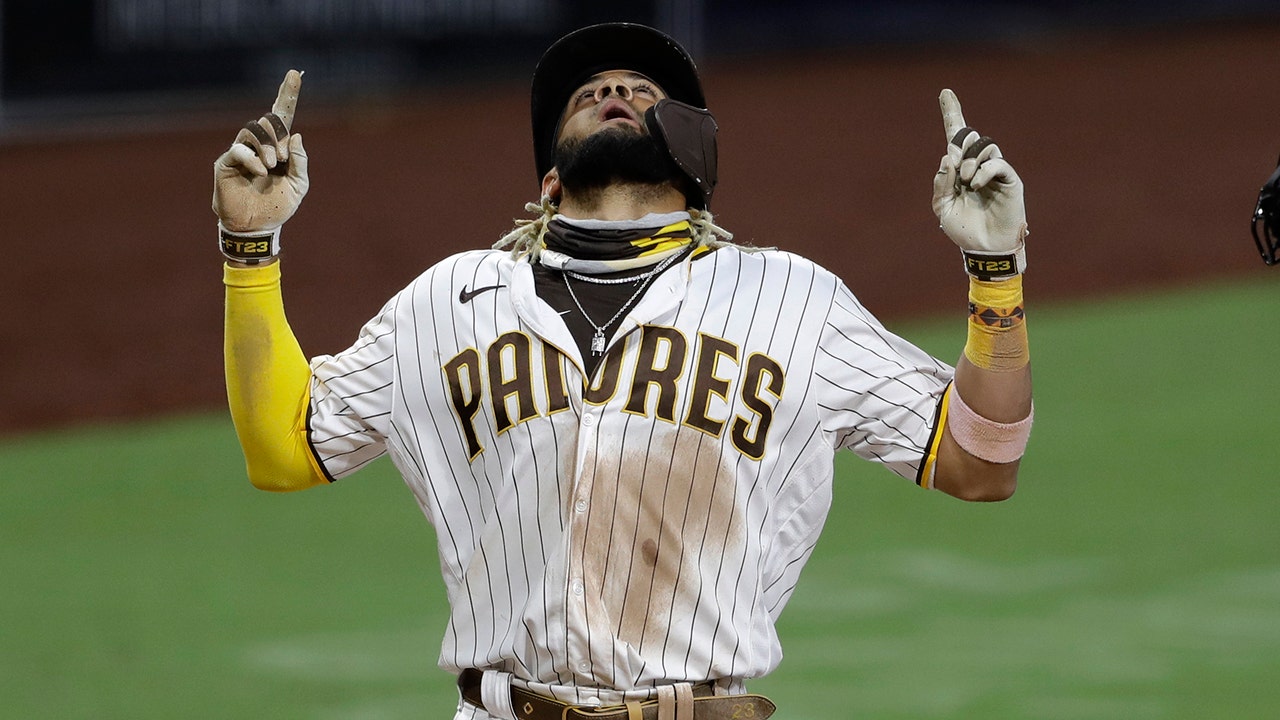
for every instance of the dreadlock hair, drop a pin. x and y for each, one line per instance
(527, 236)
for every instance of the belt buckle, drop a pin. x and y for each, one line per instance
(608, 712)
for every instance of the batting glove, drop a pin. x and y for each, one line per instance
(259, 182)
(977, 197)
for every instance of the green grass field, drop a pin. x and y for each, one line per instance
(1135, 575)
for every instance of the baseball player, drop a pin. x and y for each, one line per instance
(620, 424)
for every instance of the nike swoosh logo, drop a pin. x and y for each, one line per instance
(465, 295)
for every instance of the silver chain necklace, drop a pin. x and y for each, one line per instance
(598, 339)
(607, 281)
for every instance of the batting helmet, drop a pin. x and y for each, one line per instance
(574, 58)
(1266, 219)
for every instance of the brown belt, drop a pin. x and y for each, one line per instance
(706, 706)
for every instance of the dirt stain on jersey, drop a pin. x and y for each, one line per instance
(649, 552)
(663, 539)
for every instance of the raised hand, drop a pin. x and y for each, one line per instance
(259, 182)
(977, 197)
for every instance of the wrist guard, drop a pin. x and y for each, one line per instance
(993, 266)
(249, 248)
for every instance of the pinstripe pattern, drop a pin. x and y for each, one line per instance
(648, 529)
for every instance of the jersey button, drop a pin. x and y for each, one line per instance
(577, 588)
(588, 420)
(580, 506)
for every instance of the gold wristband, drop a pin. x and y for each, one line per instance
(997, 337)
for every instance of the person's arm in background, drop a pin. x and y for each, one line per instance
(258, 184)
(977, 197)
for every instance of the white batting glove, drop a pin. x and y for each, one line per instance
(978, 199)
(259, 182)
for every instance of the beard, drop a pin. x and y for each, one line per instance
(615, 155)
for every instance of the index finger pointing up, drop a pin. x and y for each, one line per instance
(287, 99)
(952, 118)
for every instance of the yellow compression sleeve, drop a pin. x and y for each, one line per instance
(268, 382)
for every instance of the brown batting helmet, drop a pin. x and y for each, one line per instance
(574, 58)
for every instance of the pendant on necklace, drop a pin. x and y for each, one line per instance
(597, 343)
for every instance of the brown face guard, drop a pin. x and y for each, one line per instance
(688, 134)
(1266, 219)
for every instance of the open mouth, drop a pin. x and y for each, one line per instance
(617, 110)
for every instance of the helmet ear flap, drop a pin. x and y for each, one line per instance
(1266, 219)
(688, 134)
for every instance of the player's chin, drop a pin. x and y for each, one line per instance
(620, 126)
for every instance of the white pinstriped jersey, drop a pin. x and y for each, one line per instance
(646, 525)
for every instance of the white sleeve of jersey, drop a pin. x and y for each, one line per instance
(880, 393)
(351, 398)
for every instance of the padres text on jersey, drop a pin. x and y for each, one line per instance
(646, 524)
